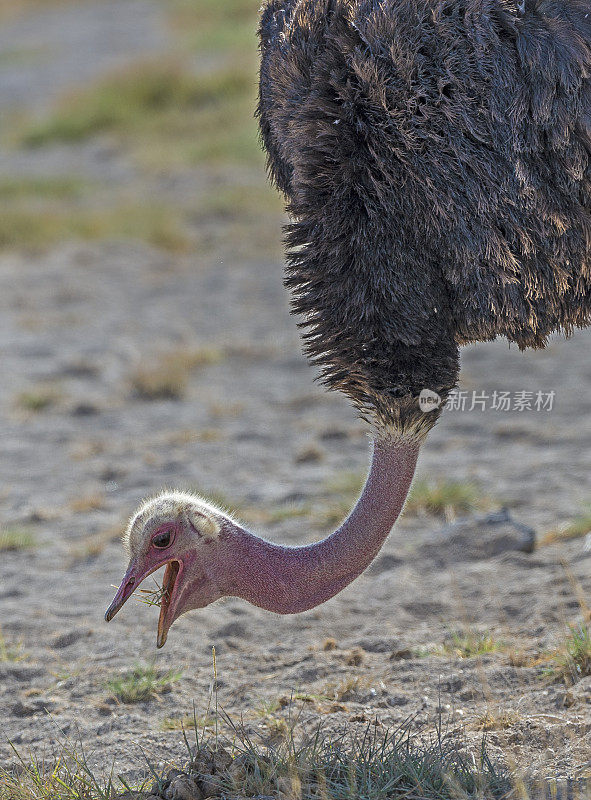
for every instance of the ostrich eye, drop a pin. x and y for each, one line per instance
(162, 540)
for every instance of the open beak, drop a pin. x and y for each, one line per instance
(166, 617)
(169, 595)
(124, 592)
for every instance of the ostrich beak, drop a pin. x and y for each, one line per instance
(124, 592)
(167, 612)
(168, 602)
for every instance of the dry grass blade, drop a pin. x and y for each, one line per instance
(149, 597)
(152, 597)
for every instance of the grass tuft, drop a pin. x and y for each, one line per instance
(167, 376)
(580, 526)
(187, 722)
(166, 117)
(497, 720)
(134, 99)
(10, 651)
(572, 661)
(36, 228)
(67, 777)
(344, 689)
(369, 765)
(446, 498)
(14, 539)
(39, 398)
(372, 763)
(143, 682)
(470, 644)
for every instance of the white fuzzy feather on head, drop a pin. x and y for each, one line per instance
(169, 506)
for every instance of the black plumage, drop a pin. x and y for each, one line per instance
(435, 159)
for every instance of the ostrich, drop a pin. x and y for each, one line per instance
(435, 159)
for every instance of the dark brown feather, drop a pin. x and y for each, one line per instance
(435, 159)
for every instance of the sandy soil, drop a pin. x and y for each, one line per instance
(254, 427)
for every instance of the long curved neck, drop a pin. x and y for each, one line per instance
(288, 580)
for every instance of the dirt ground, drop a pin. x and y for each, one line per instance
(76, 323)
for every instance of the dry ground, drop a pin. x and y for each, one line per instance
(128, 366)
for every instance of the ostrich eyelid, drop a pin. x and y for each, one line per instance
(162, 540)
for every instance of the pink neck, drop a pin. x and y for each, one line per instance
(288, 580)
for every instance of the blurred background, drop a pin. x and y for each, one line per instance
(133, 120)
(145, 341)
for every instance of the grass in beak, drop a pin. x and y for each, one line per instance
(160, 595)
(152, 597)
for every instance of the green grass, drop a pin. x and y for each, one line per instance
(288, 760)
(370, 765)
(139, 96)
(14, 539)
(373, 764)
(255, 514)
(142, 682)
(187, 722)
(205, 28)
(36, 223)
(469, 644)
(279, 514)
(167, 119)
(239, 201)
(445, 498)
(498, 719)
(272, 515)
(464, 644)
(580, 526)
(169, 113)
(37, 398)
(163, 111)
(572, 660)
(45, 188)
(342, 490)
(10, 651)
(20, 56)
(66, 777)
(194, 110)
(37, 228)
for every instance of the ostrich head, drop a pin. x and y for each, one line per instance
(208, 555)
(183, 533)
